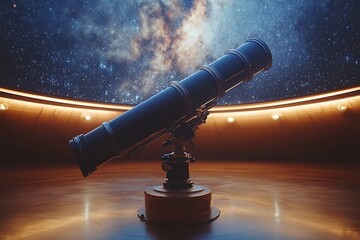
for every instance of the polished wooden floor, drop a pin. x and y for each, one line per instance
(257, 201)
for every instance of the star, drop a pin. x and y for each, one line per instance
(127, 51)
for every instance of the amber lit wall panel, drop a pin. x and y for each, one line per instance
(318, 127)
(316, 130)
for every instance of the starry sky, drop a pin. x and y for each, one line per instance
(126, 51)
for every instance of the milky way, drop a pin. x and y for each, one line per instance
(126, 51)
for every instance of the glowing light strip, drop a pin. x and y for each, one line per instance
(217, 109)
(61, 101)
(287, 102)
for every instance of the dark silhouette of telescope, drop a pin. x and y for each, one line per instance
(177, 110)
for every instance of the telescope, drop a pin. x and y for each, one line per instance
(178, 109)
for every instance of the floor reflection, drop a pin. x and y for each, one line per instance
(257, 201)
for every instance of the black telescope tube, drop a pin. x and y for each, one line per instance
(171, 107)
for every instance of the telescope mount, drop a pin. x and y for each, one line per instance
(178, 201)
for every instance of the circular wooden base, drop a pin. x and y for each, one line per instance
(178, 207)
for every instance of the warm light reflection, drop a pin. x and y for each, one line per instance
(43, 226)
(87, 117)
(277, 212)
(230, 119)
(318, 221)
(275, 116)
(248, 194)
(86, 208)
(4, 106)
(48, 225)
(342, 107)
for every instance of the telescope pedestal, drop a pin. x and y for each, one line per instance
(178, 202)
(178, 207)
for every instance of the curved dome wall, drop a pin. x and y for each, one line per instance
(321, 127)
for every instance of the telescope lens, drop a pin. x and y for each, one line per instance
(78, 145)
(94, 148)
